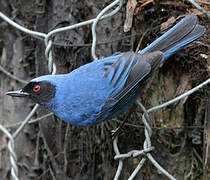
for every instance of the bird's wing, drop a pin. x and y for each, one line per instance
(119, 71)
(125, 75)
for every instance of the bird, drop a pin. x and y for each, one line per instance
(105, 88)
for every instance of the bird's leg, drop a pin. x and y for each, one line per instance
(116, 132)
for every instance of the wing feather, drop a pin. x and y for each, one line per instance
(126, 76)
(119, 71)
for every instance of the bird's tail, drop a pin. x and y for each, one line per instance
(183, 33)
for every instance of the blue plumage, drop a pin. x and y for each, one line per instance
(107, 87)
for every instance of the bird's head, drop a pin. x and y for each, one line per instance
(40, 90)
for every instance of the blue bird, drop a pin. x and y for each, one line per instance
(107, 87)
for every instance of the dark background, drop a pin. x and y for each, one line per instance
(53, 149)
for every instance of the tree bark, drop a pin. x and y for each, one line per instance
(53, 149)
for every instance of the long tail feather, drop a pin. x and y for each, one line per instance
(183, 33)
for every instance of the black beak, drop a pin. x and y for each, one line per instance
(19, 93)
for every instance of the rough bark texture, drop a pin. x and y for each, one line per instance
(52, 149)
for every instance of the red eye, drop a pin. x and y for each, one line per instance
(36, 88)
